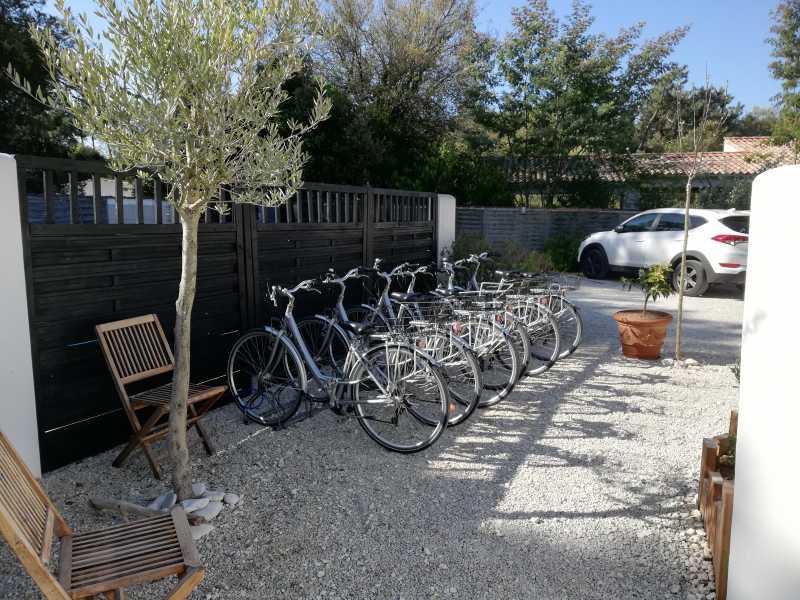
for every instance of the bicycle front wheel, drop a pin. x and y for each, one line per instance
(570, 327)
(400, 397)
(461, 371)
(266, 376)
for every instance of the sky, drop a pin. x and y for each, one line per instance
(727, 37)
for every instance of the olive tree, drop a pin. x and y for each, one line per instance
(189, 91)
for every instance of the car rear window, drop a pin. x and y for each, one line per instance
(739, 223)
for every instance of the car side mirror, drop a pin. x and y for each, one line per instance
(619, 229)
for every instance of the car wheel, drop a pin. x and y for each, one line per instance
(594, 263)
(696, 280)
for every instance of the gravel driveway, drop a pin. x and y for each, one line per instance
(580, 485)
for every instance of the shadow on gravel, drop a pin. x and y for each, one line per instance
(518, 434)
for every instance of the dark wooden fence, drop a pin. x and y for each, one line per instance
(101, 246)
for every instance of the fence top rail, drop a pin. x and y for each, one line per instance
(98, 166)
(61, 164)
(549, 210)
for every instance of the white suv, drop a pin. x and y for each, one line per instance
(717, 250)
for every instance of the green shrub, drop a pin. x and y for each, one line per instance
(514, 256)
(508, 256)
(562, 252)
(468, 243)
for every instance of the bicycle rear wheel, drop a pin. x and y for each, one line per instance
(266, 376)
(461, 371)
(545, 340)
(400, 397)
(497, 358)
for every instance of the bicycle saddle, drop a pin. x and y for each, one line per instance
(412, 297)
(358, 329)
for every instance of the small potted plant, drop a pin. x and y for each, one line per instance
(642, 332)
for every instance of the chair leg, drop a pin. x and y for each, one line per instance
(136, 440)
(207, 443)
(114, 595)
(190, 579)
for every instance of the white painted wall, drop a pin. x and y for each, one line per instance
(17, 399)
(765, 544)
(446, 223)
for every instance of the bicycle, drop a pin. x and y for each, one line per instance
(391, 384)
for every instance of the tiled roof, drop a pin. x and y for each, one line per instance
(748, 157)
(747, 144)
(710, 163)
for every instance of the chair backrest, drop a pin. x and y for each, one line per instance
(28, 519)
(135, 349)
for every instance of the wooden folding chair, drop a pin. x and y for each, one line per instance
(136, 349)
(98, 563)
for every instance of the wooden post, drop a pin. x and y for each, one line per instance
(100, 215)
(139, 200)
(722, 542)
(74, 206)
(119, 200)
(158, 194)
(368, 227)
(49, 197)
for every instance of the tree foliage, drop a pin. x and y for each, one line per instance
(669, 116)
(398, 71)
(785, 43)
(564, 90)
(28, 126)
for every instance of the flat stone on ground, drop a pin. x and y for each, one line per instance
(194, 504)
(164, 501)
(214, 495)
(210, 512)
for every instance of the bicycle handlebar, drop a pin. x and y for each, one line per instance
(307, 285)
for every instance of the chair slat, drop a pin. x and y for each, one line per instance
(115, 530)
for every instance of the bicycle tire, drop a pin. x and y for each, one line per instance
(387, 362)
(264, 366)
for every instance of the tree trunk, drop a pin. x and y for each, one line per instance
(682, 282)
(179, 450)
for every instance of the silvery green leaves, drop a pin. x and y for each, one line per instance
(190, 90)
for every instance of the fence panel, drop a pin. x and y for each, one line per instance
(102, 246)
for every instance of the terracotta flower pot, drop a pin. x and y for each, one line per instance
(642, 333)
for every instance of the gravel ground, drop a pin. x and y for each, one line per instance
(580, 485)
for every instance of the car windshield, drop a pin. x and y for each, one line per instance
(739, 223)
(638, 223)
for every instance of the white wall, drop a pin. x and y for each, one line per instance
(765, 544)
(17, 399)
(445, 223)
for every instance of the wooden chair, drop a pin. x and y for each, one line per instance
(98, 563)
(135, 350)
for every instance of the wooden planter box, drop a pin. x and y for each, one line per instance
(715, 501)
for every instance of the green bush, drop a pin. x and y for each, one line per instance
(508, 256)
(468, 243)
(562, 252)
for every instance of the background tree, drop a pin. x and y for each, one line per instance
(669, 115)
(785, 43)
(401, 68)
(565, 90)
(29, 127)
(189, 90)
(761, 120)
